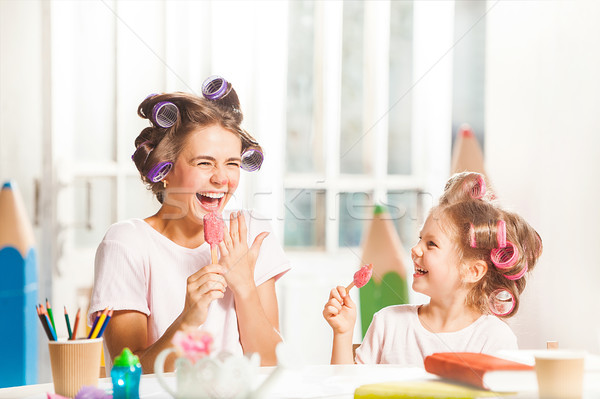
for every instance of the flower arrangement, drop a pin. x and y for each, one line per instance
(193, 344)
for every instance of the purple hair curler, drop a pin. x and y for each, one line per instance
(501, 302)
(252, 160)
(505, 258)
(215, 87)
(164, 114)
(159, 171)
(517, 275)
(478, 189)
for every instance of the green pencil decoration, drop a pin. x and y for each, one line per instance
(68, 323)
(50, 314)
(382, 248)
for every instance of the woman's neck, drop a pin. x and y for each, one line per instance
(185, 231)
(438, 317)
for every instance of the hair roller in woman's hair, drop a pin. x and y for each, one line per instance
(159, 171)
(504, 258)
(478, 188)
(252, 160)
(501, 302)
(517, 275)
(164, 114)
(501, 233)
(215, 87)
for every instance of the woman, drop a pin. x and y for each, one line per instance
(157, 272)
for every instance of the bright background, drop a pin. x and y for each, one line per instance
(354, 103)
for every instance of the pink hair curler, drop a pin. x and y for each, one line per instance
(472, 239)
(505, 258)
(518, 275)
(478, 188)
(501, 233)
(501, 302)
(165, 114)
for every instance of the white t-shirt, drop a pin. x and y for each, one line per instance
(137, 268)
(396, 336)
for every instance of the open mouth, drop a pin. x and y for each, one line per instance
(209, 200)
(420, 271)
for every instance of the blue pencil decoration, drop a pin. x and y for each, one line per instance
(19, 292)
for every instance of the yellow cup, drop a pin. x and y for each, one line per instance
(560, 374)
(74, 364)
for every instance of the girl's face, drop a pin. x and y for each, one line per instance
(436, 262)
(206, 173)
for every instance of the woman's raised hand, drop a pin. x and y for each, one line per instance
(237, 259)
(203, 287)
(340, 311)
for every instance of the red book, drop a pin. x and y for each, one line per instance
(481, 370)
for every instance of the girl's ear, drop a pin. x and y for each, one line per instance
(475, 271)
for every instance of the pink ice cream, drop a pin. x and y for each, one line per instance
(214, 227)
(362, 277)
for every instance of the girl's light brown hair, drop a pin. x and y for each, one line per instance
(467, 220)
(156, 144)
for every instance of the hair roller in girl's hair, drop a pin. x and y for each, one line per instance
(164, 114)
(159, 171)
(478, 188)
(501, 302)
(501, 233)
(505, 258)
(252, 160)
(472, 240)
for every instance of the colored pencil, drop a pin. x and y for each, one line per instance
(68, 323)
(50, 314)
(108, 316)
(74, 335)
(43, 321)
(95, 327)
(52, 331)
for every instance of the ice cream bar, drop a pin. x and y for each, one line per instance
(361, 277)
(214, 227)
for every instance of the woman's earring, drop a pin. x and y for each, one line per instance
(165, 184)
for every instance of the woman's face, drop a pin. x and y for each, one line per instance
(206, 173)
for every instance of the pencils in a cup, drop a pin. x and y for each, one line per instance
(42, 318)
(98, 324)
(46, 322)
(108, 316)
(50, 314)
(77, 317)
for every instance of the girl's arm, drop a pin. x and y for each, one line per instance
(340, 313)
(128, 328)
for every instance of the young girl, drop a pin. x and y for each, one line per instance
(471, 260)
(157, 272)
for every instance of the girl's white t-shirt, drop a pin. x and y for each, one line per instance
(137, 268)
(396, 336)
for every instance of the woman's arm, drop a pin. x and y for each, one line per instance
(130, 328)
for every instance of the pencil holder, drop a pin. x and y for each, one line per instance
(75, 363)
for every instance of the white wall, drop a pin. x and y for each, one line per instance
(542, 153)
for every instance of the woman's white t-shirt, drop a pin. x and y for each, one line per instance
(396, 336)
(137, 268)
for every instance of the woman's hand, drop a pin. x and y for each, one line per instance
(203, 287)
(237, 259)
(340, 311)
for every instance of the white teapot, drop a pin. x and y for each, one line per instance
(224, 376)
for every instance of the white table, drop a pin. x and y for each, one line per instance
(315, 381)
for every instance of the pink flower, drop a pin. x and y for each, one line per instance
(193, 345)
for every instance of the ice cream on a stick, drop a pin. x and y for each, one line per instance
(361, 277)
(214, 228)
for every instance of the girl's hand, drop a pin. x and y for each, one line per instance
(203, 287)
(340, 311)
(237, 259)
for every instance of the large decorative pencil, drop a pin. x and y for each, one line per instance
(19, 291)
(467, 154)
(382, 248)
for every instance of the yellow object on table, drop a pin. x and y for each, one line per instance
(421, 389)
